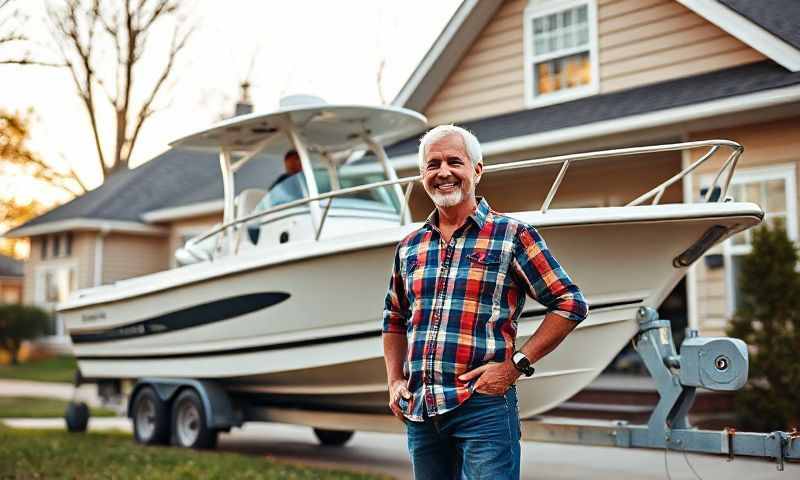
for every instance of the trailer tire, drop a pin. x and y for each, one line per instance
(150, 418)
(76, 417)
(334, 438)
(189, 423)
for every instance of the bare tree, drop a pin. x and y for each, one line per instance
(81, 30)
(12, 34)
(78, 27)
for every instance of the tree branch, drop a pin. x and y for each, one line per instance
(178, 44)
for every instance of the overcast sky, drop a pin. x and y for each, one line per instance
(327, 48)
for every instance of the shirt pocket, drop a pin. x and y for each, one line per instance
(485, 267)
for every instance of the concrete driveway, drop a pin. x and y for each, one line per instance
(386, 453)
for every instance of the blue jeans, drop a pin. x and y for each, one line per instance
(477, 440)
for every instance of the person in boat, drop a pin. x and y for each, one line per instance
(289, 186)
(456, 291)
(291, 165)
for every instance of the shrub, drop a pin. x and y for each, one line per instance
(768, 319)
(19, 323)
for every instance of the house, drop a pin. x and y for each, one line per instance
(530, 78)
(10, 280)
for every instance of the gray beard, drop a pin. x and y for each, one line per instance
(449, 200)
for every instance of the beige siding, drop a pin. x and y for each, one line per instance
(28, 269)
(189, 227)
(640, 42)
(489, 80)
(768, 143)
(81, 257)
(83, 251)
(126, 256)
(650, 41)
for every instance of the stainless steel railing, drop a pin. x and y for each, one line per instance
(727, 168)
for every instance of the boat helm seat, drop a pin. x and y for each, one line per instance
(192, 252)
(246, 203)
(247, 200)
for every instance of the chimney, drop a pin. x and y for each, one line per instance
(244, 105)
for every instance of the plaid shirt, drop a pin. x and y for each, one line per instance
(458, 303)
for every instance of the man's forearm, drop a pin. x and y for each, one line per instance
(547, 337)
(395, 347)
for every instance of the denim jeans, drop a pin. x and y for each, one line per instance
(479, 439)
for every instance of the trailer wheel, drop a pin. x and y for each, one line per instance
(335, 438)
(76, 417)
(150, 417)
(189, 426)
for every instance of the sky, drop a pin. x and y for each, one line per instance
(331, 49)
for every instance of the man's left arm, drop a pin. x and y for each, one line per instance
(544, 280)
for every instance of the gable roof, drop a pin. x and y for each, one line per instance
(444, 55)
(766, 35)
(10, 267)
(175, 178)
(769, 26)
(660, 102)
(779, 17)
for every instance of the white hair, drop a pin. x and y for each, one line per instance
(471, 143)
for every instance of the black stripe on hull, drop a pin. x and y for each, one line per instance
(296, 344)
(204, 314)
(235, 351)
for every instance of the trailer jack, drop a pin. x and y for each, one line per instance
(715, 363)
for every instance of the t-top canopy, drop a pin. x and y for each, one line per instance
(322, 128)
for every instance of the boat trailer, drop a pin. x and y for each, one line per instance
(714, 363)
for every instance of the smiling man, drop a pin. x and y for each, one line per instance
(457, 288)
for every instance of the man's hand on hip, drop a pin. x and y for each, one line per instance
(398, 390)
(493, 378)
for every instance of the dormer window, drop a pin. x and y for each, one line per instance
(560, 50)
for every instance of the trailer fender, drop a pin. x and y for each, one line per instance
(221, 413)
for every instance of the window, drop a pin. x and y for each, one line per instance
(773, 188)
(53, 285)
(560, 50)
(68, 244)
(43, 251)
(56, 245)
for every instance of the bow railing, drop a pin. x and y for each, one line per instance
(654, 195)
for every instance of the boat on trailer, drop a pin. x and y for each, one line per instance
(280, 305)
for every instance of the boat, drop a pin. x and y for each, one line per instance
(281, 303)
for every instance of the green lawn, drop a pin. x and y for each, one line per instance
(31, 407)
(56, 369)
(56, 454)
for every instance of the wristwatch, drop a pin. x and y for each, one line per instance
(522, 363)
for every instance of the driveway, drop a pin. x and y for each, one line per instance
(386, 453)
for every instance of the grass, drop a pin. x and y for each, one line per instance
(55, 369)
(33, 407)
(56, 454)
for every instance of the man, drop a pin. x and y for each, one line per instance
(291, 164)
(450, 320)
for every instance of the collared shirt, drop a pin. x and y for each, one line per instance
(458, 302)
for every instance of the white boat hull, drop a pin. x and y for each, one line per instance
(300, 324)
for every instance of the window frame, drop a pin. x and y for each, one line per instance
(40, 290)
(786, 172)
(541, 8)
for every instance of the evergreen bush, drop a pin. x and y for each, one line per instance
(768, 319)
(19, 323)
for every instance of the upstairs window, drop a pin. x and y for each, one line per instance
(560, 50)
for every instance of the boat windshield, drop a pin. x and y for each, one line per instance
(294, 188)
